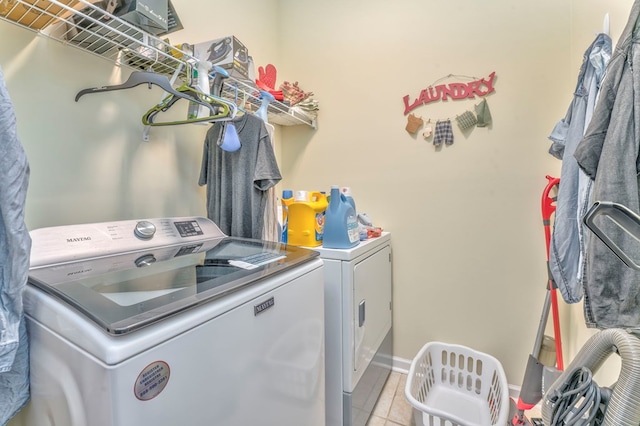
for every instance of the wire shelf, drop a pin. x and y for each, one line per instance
(247, 96)
(83, 25)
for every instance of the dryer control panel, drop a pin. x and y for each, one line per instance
(61, 244)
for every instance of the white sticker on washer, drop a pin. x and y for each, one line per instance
(152, 380)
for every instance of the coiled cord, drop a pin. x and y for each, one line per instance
(577, 396)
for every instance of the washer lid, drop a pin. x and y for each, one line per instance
(124, 292)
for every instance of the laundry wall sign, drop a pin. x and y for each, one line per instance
(441, 131)
(443, 92)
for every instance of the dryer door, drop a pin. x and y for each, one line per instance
(371, 306)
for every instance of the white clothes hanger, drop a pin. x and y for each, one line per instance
(605, 24)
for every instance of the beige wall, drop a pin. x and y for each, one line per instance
(469, 255)
(469, 259)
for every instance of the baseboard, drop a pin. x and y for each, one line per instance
(514, 392)
(402, 365)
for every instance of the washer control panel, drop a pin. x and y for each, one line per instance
(73, 242)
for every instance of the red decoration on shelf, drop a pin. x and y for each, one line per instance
(267, 81)
(267, 76)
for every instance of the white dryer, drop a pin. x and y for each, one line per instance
(358, 328)
(169, 322)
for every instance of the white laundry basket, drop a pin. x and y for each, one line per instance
(452, 385)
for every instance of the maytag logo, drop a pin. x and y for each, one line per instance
(79, 239)
(260, 308)
(84, 271)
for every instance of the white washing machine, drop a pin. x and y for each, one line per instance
(358, 328)
(169, 322)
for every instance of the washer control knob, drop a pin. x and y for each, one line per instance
(146, 260)
(144, 230)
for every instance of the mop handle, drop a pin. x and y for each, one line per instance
(548, 208)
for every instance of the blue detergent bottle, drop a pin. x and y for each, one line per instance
(341, 223)
(346, 191)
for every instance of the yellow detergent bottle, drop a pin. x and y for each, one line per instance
(305, 225)
(287, 199)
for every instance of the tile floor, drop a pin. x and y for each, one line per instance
(392, 408)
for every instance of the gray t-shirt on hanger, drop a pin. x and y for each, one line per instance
(237, 182)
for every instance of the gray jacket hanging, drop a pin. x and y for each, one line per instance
(567, 246)
(15, 246)
(608, 154)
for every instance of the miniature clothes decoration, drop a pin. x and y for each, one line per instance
(466, 120)
(413, 124)
(483, 114)
(443, 133)
(427, 132)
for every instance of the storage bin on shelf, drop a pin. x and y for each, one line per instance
(454, 385)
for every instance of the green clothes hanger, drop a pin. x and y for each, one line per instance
(221, 109)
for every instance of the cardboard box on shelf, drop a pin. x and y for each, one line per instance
(35, 14)
(148, 15)
(173, 21)
(226, 52)
(126, 10)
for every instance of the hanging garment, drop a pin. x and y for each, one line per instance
(15, 247)
(237, 182)
(608, 154)
(466, 120)
(413, 124)
(483, 114)
(270, 231)
(566, 249)
(443, 133)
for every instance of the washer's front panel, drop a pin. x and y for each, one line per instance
(259, 362)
